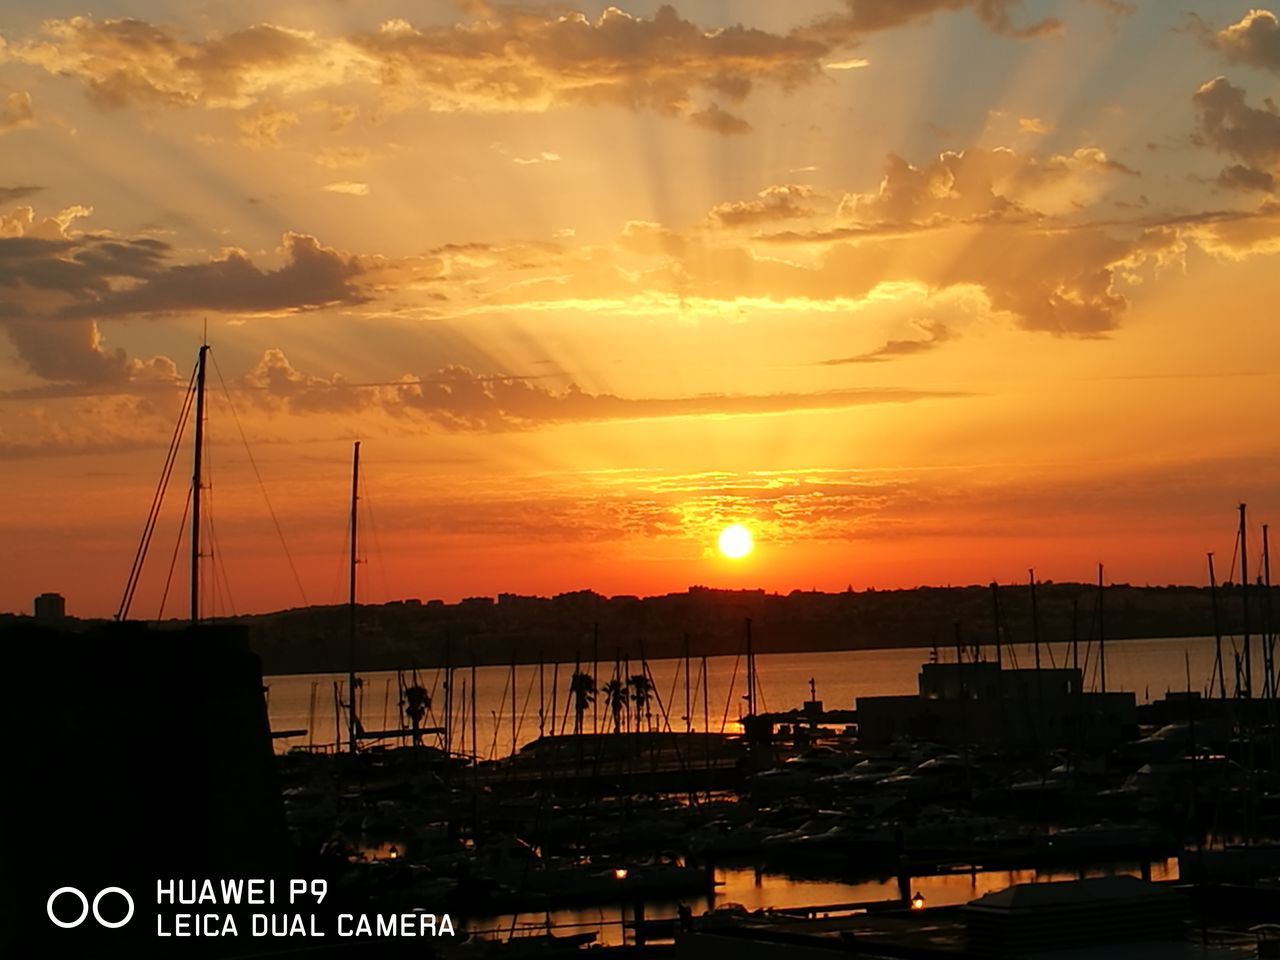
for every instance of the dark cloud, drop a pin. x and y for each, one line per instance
(935, 333)
(312, 276)
(56, 285)
(862, 17)
(1227, 123)
(10, 194)
(1239, 177)
(459, 399)
(1253, 40)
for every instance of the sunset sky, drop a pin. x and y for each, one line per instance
(918, 291)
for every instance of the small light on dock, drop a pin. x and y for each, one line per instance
(917, 901)
(394, 852)
(620, 873)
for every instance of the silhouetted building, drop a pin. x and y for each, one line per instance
(981, 703)
(50, 606)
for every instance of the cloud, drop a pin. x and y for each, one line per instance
(127, 61)
(337, 158)
(457, 398)
(1253, 40)
(262, 126)
(10, 194)
(15, 111)
(312, 276)
(43, 269)
(352, 187)
(980, 184)
(57, 284)
(1229, 125)
(1034, 125)
(545, 156)
(862, 17)
(497, 58)
(935, 333)
(1239, 177)
(779, 202)
(718, 120)
(502, 59)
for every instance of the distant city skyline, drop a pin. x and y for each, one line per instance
(922, 293)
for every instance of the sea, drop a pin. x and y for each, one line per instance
(713, 700)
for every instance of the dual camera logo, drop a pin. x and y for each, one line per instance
(85, 907)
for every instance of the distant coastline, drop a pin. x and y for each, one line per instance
(583, 624)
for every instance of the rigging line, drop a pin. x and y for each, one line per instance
(377, 542)
(675, 680)
(497, 717)
(728, 700)
(173, 561)
(335, 592)
(431, 697)
(261, 485)
(219, 566)
(524, 710)
(153, 517)
(693, 697)
(157, 502)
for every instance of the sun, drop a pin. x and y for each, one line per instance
(735, 541)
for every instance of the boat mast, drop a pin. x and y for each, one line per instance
(1035, 617)
(197, 469)
(995, 615)
(688, 708)
(352, 721)
(1244, 602)
(751, 674)
(1102, 635)
(1217, 632)
(1269, 647)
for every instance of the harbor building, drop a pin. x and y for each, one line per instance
(981, 702)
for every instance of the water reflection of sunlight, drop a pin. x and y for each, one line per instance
(757, 891)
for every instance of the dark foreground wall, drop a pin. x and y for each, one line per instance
(129, 756)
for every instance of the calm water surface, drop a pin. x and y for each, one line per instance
(1148, 668)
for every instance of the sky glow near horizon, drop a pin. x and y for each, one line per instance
(926, 292)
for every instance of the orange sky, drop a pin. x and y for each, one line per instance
(922, 292)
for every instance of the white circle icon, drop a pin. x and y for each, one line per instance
(84, 908)
(98, 899)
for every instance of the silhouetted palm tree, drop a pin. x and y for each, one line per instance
(641, 693)
(583, 690)
(416, 703)
(615, 696)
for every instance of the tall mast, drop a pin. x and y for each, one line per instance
(1075, 631)
(995, 615)
(1035, 616)
(1269, 648)
(688, 707)
(751, 674)
(1217, 632)
(197, 470)
(1244, 602)
(352, 722)
(1102, 635)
